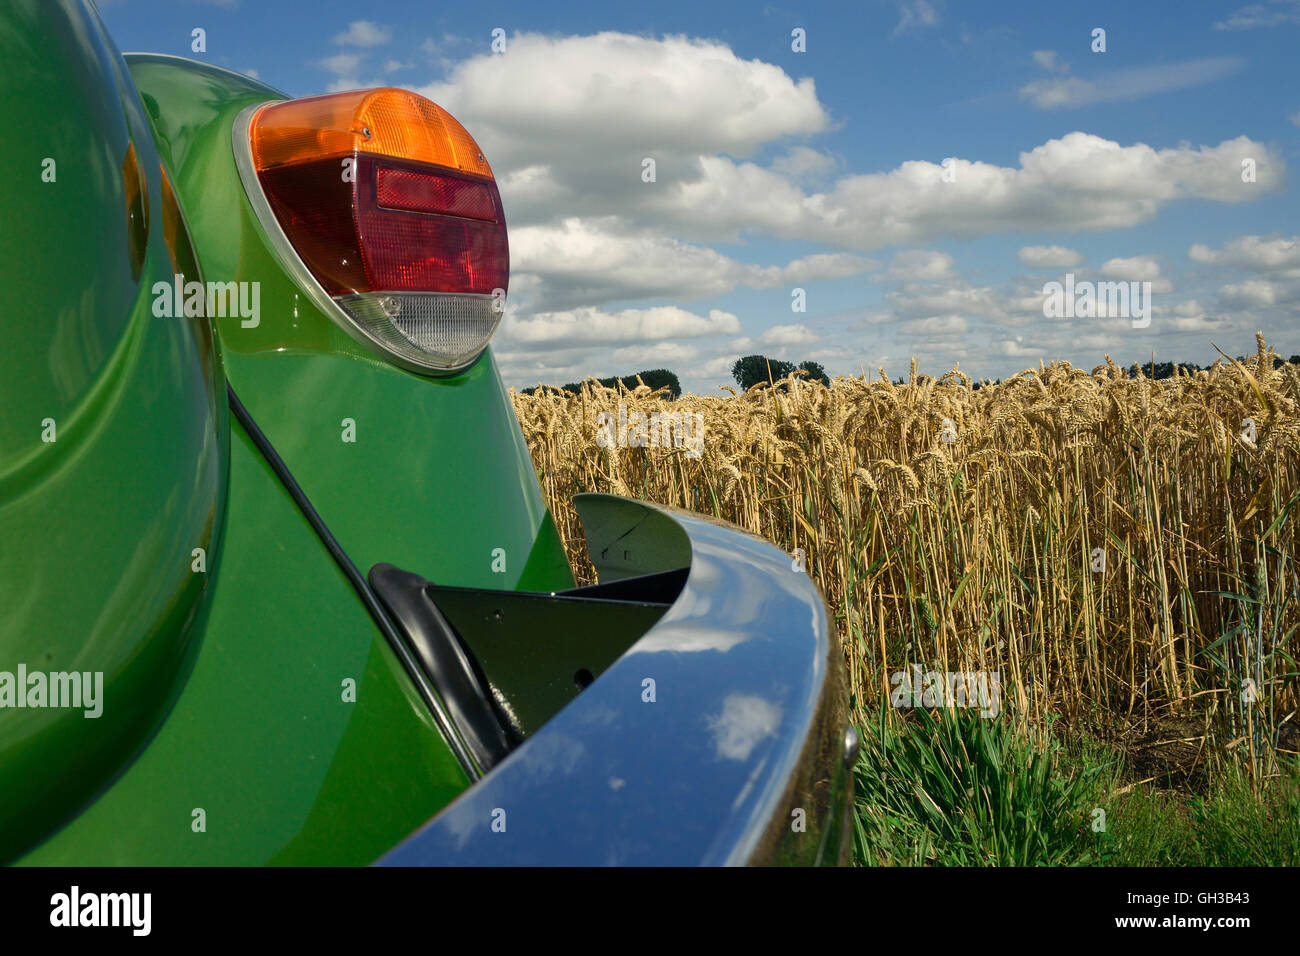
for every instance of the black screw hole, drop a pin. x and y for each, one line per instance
(583, 678)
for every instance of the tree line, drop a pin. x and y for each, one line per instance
(751, 370)
(656, 378)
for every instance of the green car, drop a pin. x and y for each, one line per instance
(277, 582)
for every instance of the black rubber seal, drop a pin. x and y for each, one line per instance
(455, 674)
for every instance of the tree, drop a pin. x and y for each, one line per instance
(656, 378)
(1161, 370)
(815, 372)
(754, 369)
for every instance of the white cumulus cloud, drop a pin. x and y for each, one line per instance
(591, 326)
(1049, 257)
(1133, 83)
(796, 334)
(364, 33)
(1256, 253)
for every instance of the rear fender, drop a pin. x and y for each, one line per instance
(113, 437)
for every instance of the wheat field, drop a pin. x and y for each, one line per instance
(1116, 548)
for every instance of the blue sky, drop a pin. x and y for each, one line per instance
(823, 170)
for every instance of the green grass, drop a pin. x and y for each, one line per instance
(955, 789)
(1230, 826)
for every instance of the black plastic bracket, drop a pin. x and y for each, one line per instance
(455, 676)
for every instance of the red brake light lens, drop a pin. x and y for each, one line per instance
(396, 228)
(439, 195)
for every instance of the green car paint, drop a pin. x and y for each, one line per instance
(225, 689)
(262, 740)
(112, 428)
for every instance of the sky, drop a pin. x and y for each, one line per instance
(853, 184)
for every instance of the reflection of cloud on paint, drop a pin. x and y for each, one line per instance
(552, 754)
(688, 636)
(745, 721)
(463, 825)
(595, 714)
(754, 776)
(544, 756)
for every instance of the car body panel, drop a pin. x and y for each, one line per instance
(112, 441)
(263, 739)
(749, 704)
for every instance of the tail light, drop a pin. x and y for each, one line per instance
(386, 210)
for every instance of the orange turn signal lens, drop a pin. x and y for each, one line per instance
(388, 121)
